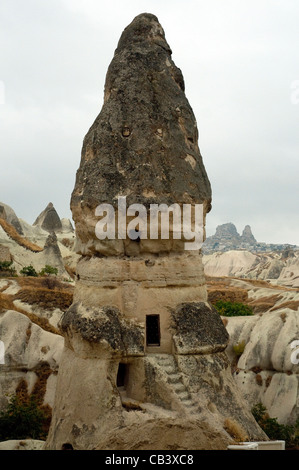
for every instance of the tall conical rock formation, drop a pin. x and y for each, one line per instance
(144, 143)
(247, 235)
(144, 364)
(49, 220)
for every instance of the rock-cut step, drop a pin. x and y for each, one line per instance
(168, 364)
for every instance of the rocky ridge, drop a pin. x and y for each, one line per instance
(277, 267)
(264, 365)
(227, 238)
(47, 242)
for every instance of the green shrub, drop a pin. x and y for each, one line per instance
(239, 348)
(232, 309)
(22, 420)
(29, 271)
(275, 430)
(6, 269)
(4, 265)
(48, 270)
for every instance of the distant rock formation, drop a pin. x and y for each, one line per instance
(282, 268)
(227, 238)
(49, 242)
(8, 214)
(227, 232)
(247, 236)
(52, 253)
(49, 220)
(66, 226)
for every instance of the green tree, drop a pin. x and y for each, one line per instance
(275, 430)
(48, 270)
(5, 265)
(7, 269)
(232, 309)
(239, 348)
(22, 420)
(28, 271)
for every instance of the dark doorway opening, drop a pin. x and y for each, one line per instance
(67, 446)
(153, 330)
(121, 375)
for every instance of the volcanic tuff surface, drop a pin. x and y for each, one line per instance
(49, 220)
(227, 238)
(35, 245)
(144, 142)
(124, 383)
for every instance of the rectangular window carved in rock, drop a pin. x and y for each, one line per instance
(122, 375)
(153, 330)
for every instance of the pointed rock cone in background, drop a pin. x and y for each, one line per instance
(144, 363)
(247, 235)
(49, 220)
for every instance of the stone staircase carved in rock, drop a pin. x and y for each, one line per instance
(168, 363)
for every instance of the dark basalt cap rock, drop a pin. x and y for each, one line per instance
(144, 28)
(144, 142)
(198, 329)
(107, 327)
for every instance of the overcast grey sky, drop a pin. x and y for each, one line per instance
(241, 69)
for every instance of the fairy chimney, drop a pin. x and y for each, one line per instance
(144, 364)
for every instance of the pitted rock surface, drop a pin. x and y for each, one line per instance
(143, 144)
(105, 325)
(198, 329)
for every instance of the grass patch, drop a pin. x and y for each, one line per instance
(265, 303)
(14, 235)
(46, 292)
(235, 430)
(46, 298)
(34, 292)
(6, 303)
(25, 416)
(291, 304)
